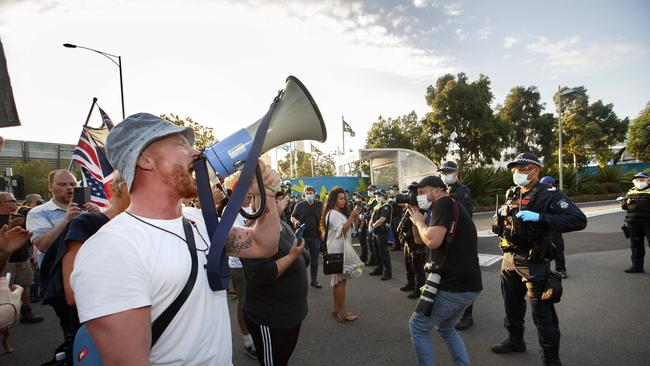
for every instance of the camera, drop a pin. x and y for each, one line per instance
(410, 198)
(430, 289)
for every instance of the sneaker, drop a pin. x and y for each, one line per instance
(465, 322)
(414, 295)
(407, 287)
(562, 274)
(316, 284)
(509, 346)
(250, 352)
(30, 317)
(634, 270)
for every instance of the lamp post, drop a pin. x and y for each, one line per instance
(112, 58)
(560, 94)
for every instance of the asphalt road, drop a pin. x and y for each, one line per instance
(604, 316)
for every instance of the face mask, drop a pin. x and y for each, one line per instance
(371, 193)
(449, 179)
(640, 184)
(520, 179)
(423, 202)
(310, 198)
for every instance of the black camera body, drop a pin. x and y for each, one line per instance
(410, 198)
(509, 228)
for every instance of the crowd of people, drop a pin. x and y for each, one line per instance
(119, 270)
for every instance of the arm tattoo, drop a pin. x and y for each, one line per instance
(238, 240)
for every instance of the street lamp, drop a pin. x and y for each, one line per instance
(560, 94)
(112, 58)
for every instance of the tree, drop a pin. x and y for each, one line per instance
(638, 138)
(405, 132)
(35, 174)
(530, 130)
(302, 163)
(204, 136)
(462, 121)
(589, 130)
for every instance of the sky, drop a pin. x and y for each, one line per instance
(221, 62)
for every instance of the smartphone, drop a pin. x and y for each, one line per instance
(299, 232)
(81, 195)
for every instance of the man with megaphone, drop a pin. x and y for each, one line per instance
(131, 271)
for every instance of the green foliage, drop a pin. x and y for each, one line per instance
(204, 136)
(529, 129)
(613, 174)
(35, 175)
(323, 165)
(486, 183)
(638, 140)
(462, 121)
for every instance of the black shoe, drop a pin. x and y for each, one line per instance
(551, 358)
(562, 274)
(31, 318)
(316, 284)
(386, 277)
(509, 346)
(371, 263)
(634, 270)
(376, 272)
(414, 295)
(407, 287)
(465, 322)
(250, 352)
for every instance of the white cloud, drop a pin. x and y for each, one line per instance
(454, 9)
(461, 35)
(420, 3)
(484, 33)
(508, 42)
(573, 55)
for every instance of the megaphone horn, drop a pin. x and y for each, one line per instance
(296, 117)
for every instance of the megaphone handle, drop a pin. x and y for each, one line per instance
(262, 205)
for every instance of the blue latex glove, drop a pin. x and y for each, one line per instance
(528, 216)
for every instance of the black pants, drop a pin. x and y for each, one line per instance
(557, 239)
(373, 257)
(274, 346)
(414, 264)
(545, 318)
(363, 236)
(383, 255)
(639, 231)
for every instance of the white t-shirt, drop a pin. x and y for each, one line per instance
(128, 264)
(234, 262)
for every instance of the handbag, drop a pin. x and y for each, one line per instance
(332, 262)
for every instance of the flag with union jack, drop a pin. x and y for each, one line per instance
(90, 157)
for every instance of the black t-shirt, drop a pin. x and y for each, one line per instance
(310, 216)
(462, 269)
(277, 302)
(79, 229)
(379, 212)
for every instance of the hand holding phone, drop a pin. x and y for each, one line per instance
(81, 196)
(300, 232)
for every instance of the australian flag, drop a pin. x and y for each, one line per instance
(91, 158)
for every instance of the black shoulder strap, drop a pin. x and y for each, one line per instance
(451, 231)
(327, 231)
(162, 322)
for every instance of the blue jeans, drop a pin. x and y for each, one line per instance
(313, 246)
(447, 309)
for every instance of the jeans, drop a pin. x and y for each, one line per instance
(447, 309)
(313, 246)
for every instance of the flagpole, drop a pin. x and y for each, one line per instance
(90, 112)
(311, 159)
(343, 127)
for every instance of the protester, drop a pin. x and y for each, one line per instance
(337, 222)
(308, 212)
(130, 271)
(378, 228)
(276, 296)
(20, 262)
(637, 220)
(58, 261)
(449, 232)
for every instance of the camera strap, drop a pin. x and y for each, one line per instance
(217, 268)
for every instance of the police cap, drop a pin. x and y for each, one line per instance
(547, 180)
(640, 175)
(448, 167)
(525, 159)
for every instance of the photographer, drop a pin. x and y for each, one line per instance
(454, 272)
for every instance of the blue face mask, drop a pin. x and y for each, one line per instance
(371, 193)
(310, 197)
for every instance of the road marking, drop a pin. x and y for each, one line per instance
(486, 260)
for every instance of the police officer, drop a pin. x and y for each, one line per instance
(397, 214)
(461, 193)
(637, 220)
(362, 231)
(370, 239)
(524, 224)
(557, 239)
(378, 228)
(415, 255)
